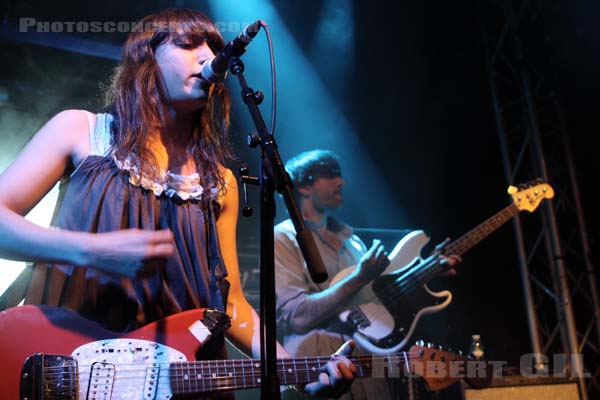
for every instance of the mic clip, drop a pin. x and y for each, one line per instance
(247, 211)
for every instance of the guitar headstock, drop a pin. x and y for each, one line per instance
(528, 196)
(440, 369)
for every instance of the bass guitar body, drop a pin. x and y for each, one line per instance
(384, 316)
(383, 321)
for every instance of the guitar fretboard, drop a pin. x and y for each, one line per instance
(481, 231)
(423, 272)
(188, 378)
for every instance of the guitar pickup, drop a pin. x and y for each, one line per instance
(358, 318)
(102, 376)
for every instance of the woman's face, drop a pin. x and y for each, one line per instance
(180, 62)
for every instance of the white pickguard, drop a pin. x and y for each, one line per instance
(404, 254)
(383, 325)
(125, 369)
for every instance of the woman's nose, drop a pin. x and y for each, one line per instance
(204, 53)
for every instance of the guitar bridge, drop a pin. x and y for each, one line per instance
(45, 376)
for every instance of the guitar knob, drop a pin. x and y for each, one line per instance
(441, 348)
(430, 345)
(420, 342)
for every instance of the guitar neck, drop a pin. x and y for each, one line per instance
(481, 231)
(189, 378)
(430, 267)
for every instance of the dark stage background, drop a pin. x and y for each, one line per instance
(407, 105)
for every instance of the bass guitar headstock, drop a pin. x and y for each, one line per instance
(528, 196)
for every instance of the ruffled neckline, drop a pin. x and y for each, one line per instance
(185, 187)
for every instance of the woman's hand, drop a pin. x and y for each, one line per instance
(129, 253)
(336, 376)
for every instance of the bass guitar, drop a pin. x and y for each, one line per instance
(382, 316)
(54, 354)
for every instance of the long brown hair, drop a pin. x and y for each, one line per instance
(134, 96)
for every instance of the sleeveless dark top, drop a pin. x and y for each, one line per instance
(103, 194)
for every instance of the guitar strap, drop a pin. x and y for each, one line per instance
(15, 293)
(217, 284)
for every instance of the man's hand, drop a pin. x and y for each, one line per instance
(336, 376)
(448, 262)
(373, 262)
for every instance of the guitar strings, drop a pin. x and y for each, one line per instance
(232, 380)
(206, 384)
(236, 363)
(235, 369)
(404, 283)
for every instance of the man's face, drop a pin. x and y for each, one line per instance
(326, 193)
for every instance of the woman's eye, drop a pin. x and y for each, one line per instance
(187, 45)
(190, 42)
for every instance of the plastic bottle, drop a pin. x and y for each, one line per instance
(476, 350)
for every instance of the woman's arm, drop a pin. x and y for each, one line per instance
(33, 173)
(245, 323)
(27, 180)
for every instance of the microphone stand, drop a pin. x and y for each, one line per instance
(272, 176)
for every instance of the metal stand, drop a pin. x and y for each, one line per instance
(272, 176)
(559, 280)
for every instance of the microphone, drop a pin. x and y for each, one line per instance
(215, 69)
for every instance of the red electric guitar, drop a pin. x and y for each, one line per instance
(52, 353)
